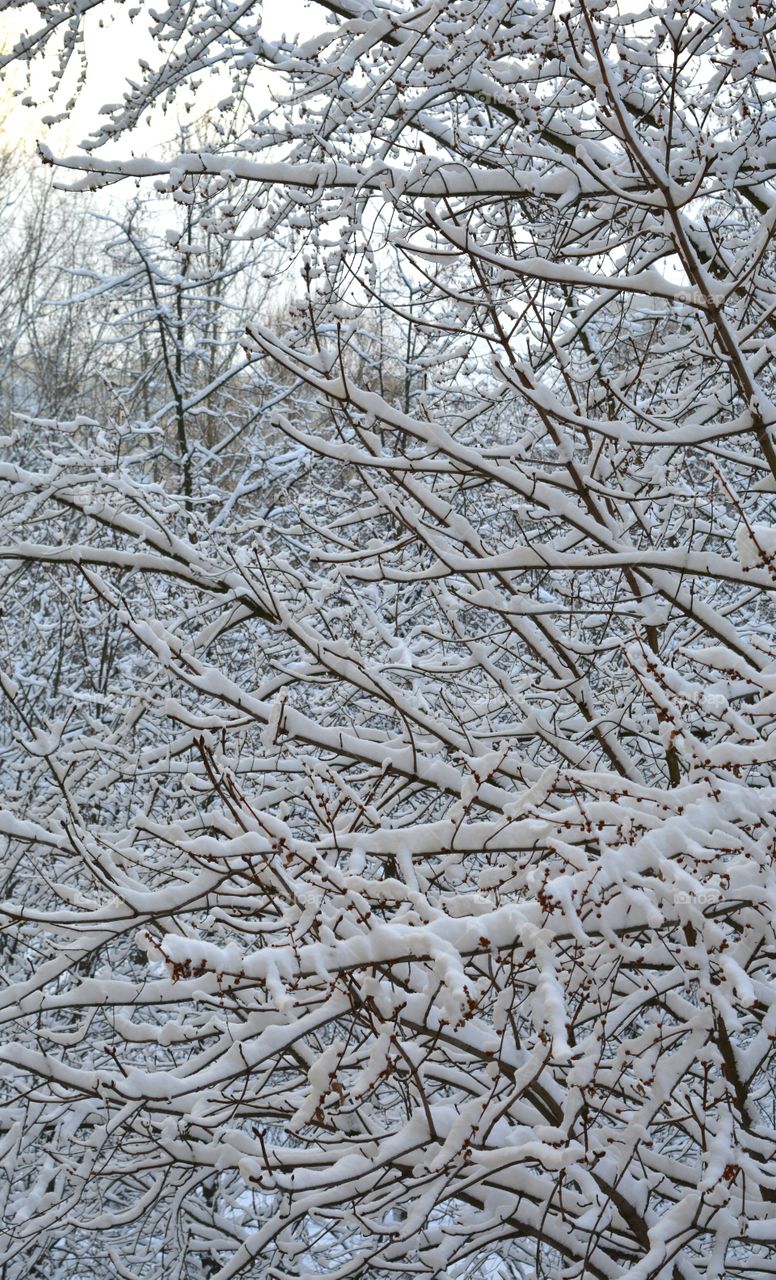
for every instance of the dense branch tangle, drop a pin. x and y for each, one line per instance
(405, 903)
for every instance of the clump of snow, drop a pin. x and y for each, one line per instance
(756, 545)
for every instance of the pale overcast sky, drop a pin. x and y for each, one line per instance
(112, 51)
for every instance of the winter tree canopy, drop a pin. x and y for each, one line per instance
(387, 761)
